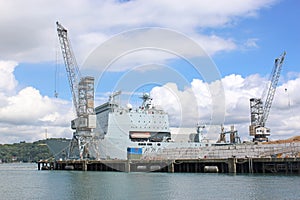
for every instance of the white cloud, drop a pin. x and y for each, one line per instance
(251, 43)
(28, 30)
(193, 104)
(155, 46)
(25, 113)
(7, 79)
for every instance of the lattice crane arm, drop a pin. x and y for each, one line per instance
(82, 89)
(70, 63)
(271, 87)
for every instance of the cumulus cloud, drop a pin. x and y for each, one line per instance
(147, 45)
(7, 79)
(193, 104)
(25, 114)
(28, 28)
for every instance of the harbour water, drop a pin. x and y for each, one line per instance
(24, 181)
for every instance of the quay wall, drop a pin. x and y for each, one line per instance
(241, 158)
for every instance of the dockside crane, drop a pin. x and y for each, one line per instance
(260, 107)
(82, 89)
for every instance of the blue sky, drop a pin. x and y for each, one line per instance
(276, 29)
(242, 40)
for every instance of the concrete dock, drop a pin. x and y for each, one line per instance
(229, 165)
(240, 158)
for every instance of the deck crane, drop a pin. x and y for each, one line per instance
(260, 110)
(82, 89)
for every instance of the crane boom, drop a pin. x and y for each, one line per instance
(273, 81)
(70, 63)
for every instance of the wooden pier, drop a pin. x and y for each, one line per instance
(229, 165)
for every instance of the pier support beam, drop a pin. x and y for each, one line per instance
(84, 165)
(171, 167)
(127, 166)
(232, 165)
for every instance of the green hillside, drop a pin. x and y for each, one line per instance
(24, 152)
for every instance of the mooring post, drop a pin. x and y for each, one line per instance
(232, 165)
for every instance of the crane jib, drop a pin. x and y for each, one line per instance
(274, 78)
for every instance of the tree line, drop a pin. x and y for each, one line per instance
(24, 152)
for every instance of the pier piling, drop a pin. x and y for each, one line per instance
(232, 165)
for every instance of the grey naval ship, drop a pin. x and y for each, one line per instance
(143, 133)
(124, 132)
